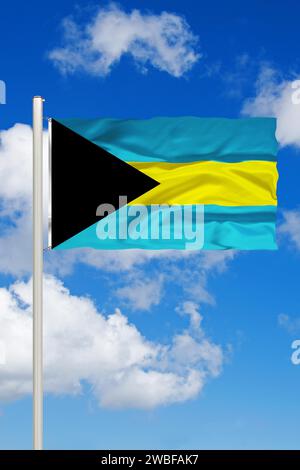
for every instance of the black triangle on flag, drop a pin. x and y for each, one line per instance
(83, 176)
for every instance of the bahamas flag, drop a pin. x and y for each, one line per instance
(163, 183)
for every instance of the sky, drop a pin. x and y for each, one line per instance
(151, 349)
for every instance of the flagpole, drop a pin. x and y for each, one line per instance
(37, 273)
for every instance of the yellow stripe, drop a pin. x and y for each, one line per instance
(229, 184)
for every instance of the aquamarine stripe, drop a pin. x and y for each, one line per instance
(181, 139)
(240, 228)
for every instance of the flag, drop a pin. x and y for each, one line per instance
(163, 183)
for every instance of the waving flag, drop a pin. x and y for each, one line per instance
(157, 183)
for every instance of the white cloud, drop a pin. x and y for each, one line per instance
(191, 309)
(164, 41)
(192, 349)
(217, 260)
(187, 350)
(148, 389)
(291, 325)
(16, 151)
(122, 367)
(16, 198)
(141, 294)
(277, 97)
(290, 227)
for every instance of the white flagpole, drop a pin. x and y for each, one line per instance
(38, 273)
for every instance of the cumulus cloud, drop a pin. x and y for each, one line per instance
(16, 197)
(123, 368)
(163, 41)
(16, 151)
(290, 227)
(278, 97)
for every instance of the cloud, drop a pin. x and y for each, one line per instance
(191, 309)
(141, 294)
(278, 97)
(163, 41)
(290, 227)
(16, 151)
(123, 368)
(217, 260)
(291, 325)
(187, 272)
(190, 349)
(15, 198)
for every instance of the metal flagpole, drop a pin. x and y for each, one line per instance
(38, 273)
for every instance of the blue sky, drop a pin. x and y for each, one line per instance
(248, 396)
